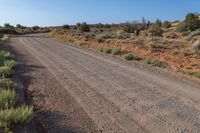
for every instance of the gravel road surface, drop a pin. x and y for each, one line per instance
(119, 97)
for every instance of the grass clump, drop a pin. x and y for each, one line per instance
(7, 99)
(5, 55)
(191, 73)
(5, 83)
(106, 50)
(155, 63)
(5, 71)
(10, 63)
(18, 116)
(116, 51)
(130, 56)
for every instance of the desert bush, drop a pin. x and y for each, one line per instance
(66, 26)
(100, 49)
(166, 24)
(106, 50)
(196, 46)
(182, 27)
(155, 30)
(19, 116)
(5, 71)
(130, 56)
(36, 27)
(7, 99)
(192, 21)
(129, 27)
(6, 83)
(5, 55)
(158, 23)
(155, 63)
(120, 34)
(116, 51)
(84, 27)
(7, 25)
(10, 63)
(103, 36)
(191, 72)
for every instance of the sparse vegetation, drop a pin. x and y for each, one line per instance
(116, 51)
(7, 98)
(15, 116)
(152, 39)
(155, 63)
(155, 30)
(191, 72)
(84, 27)
(10, 114)
(166, 24)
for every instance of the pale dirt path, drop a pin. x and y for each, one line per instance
(118, 96)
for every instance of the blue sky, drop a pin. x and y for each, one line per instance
(59, 12)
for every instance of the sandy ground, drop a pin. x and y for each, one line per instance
(118, 96)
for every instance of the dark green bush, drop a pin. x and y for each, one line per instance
(130, 56)
(192, 21)
(84, 27)
(66, 26)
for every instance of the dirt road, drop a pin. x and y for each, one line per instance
(119, 96)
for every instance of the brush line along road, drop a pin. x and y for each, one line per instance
(119, 97)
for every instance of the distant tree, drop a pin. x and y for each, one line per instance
(35, 27)
(166, 24)
(158, 23)
(7, 25)
(20, 26)
(66, 26)
(107, 26)
(192, 21)
(84, 27)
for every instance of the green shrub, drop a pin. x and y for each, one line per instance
(5, 55)
(5, 71)
(84, 27)
(66, 26)
(155, 63)
(100, 49)
(166, 24)
(128, 56)
(155, 30)
(7, 99)
(192, 21)
(19, 116)
(116, 51)
(5, 83)
(191, 73)
(10, 63)
(106, 50)
(182, 27)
